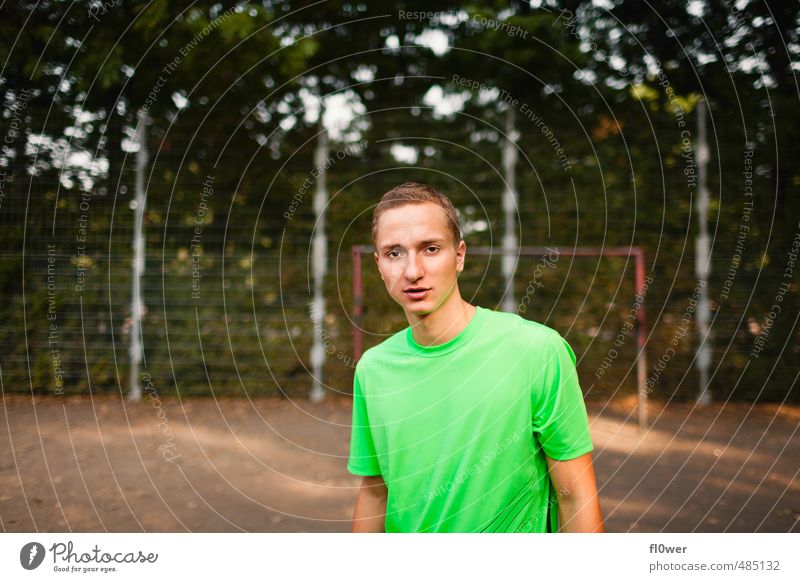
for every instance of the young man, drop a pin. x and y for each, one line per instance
(468, 420)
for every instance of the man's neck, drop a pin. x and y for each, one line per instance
(443, 324)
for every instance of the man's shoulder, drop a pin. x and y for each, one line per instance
(521, 328)
(390, 349)
(499, 327)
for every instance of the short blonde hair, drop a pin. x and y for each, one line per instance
(416, 193)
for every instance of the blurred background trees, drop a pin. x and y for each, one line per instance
(236, 95)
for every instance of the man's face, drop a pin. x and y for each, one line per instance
(417, 257)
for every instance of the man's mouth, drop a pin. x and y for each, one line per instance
(417, 292)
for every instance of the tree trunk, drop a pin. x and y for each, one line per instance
(113, 149)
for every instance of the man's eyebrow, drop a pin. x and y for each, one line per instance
(421, 244)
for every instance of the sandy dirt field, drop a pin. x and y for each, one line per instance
(86, 464)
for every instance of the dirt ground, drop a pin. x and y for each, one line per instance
(86, 464)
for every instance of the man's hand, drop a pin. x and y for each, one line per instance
(579, 503)
(369, 514)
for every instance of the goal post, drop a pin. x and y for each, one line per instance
(634, 252)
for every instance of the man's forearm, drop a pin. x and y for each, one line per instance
(369, 514)
(580, 515)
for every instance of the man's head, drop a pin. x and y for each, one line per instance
(416, 193)
(418, 247)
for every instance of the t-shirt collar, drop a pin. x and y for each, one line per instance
(461, 339)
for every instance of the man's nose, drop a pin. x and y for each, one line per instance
(414, 268)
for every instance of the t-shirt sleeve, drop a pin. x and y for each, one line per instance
(559, 413)
(363, 460)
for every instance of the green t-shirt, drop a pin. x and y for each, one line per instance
(459, 430)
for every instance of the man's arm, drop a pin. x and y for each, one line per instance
(579, 503)
(369, 514)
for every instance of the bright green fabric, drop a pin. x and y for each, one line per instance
(459, 431)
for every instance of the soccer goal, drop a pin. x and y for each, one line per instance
(630, 315)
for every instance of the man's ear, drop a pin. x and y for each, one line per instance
(461, 252)
(375, 256)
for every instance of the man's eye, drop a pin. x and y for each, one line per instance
(434, 249)
(392, 254)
